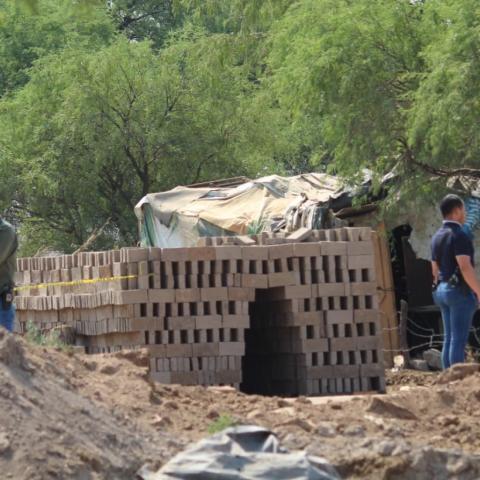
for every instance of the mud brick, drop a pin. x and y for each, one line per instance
(131, 296)
(178, 350)
(361, 262)
(305, 276)
(366, 316)
(76, 274)
(65, 275)
(300, 235)
(336, 357)
(104, 271)
(229, 376)
(306, 318)
(342, 344)
(252, 280)
(330, 290)
(338, 323)
(132, 255)
(236, 321)
(244, 240)
(161, 377)
(318, 372)
(280, 251)
(119, 269)
(232, 348)
(228, 252)
(290, 292)
(205, 349)
(359, 248)
(369, 343)
(281, 279)
(161, 296)
(340, 317)
(175, 254)
(333, 248)
(167, 268)
(364, 288)
(213, 294)
(204, 267)
(372, 370)
(201, 254)
(154, 254)
(143, 268)
(159, 351)
(306, 249)
(216, 280)
(187, 295)
(132, 270)
(184, 378)
(208, 321)
(310, 345)
(255, 253)
(241, 294)
(180, 323)
(310, 332)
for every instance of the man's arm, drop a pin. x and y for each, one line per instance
(435, 271)
(468, 273)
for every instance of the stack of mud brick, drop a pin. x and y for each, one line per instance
(275, 314)
(314, 326)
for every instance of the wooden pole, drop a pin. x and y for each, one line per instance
(403, 331)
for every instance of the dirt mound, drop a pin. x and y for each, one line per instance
(410, 378)
(12, 352)
(390, 409)
(50, 430)
(458, 372)
(91, 417)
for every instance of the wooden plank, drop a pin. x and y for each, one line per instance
(386, 295)
(390, 300)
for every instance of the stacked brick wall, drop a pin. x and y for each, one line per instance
(278, 315)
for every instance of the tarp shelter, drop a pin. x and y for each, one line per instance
(177, 218)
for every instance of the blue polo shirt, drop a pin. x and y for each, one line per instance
(447, 243)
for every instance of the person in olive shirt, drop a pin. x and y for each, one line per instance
(8, 265)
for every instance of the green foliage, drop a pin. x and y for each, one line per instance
(45, 339)
(221, 423)
(145, 19)
(92, 132)
(444, 115)
(348, 67)
(256, 226)
(102, 104)
(55, 24)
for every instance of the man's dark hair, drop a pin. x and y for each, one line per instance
(450, 203)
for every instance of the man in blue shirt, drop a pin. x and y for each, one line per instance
(457, 289)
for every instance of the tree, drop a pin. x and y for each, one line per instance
(145, 19)
(91, 133)
(443, 131)
(25, 37)
(349, 67)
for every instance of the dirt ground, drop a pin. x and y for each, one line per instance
(69, 415)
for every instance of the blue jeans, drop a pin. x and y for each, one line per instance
(457, 307)
(7, 317)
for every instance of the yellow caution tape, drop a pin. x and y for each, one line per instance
(78, 282)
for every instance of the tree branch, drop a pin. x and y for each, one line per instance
(95, 234)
